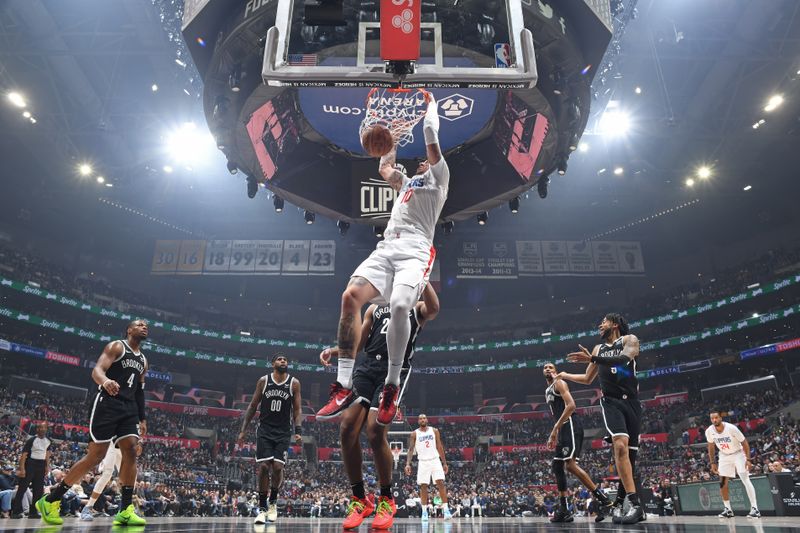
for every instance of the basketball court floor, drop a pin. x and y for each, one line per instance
(675, 524)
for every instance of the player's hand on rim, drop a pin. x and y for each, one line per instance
(583, 356)
(111, 387)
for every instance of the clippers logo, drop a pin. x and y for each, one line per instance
(455, 106)
(403, 21)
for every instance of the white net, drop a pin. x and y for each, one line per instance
(399, 110)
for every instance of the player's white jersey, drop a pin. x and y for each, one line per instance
(426, 444)
(419, 203)
(729, 441)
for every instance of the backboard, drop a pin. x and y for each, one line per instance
(467, 44)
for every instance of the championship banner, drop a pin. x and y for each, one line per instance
(244, 257)
(513, 259)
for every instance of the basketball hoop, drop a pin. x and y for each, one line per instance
(396, 456)
(395, 108)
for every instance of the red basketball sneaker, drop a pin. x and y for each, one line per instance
(357, 510)
(339, 400)
(384, 515)
(387, 404)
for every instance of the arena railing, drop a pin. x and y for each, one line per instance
(493, 345)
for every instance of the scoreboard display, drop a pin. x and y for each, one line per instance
(236, 257)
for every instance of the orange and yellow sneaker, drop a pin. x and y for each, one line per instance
(384, 514)
(355, 512)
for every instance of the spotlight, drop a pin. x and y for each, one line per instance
(154, 87)
(513, 205)
(17, 99)
(447, 227)
(378, 230)
(704, 172)
(619, 171)
(235, 78)
(221, 106)
(638, 90)
(583, 147)
(689, 182)
(309, 216)
(188, 143)
(167, 169)
(277, 201)
(232, 168)
(26, 114)
(101, 179)
(614, 122)
(483, 218)
(85, 169)
(541, 186)
(574, 142)
(772, 104)
(252, 187)
(343, 227)
(747, 187)
(562, 165)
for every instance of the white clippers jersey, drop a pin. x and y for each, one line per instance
(729, 441)
(426, 444)
(419, 202)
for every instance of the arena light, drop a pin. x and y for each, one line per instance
(562, 165)
(541, 186)
(277, 201)
(619, 171)
(343, 226)
(513, 205)
(17, 99)
(704, 172)
(747, 187)
(26, 114)
(85, 169)
(309, 216)
(235, 78)
(483, 218)
(583, 147)
(168, 169)
(154, 87)
(101, 179)
(638, 90)
(758, 124)
(187, 142)
(614, 122)
(378, 230)
(773, 103)
(690, 182)
(252, 187)
(232, 168)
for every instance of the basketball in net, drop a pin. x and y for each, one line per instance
(394, 111)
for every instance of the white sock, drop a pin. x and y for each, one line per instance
(403, 299)
(344, 374)
(750, 489)
(727, 504)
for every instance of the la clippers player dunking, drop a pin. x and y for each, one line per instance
(615, 362)
(397, 271)
(368, 380)
(117, 418)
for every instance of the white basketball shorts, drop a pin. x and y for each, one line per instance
(730, 465)
(428, 469)
(398, 261)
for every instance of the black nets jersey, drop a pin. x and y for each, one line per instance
(275, 414)
(376, 347)
(555, 402)
(617, 381)
(127, 371)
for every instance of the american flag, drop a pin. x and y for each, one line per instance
(304, 60)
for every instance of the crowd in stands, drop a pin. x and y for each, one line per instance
(218, 481)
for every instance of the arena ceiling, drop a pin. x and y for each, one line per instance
(705, 69)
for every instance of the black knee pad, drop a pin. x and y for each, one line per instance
(561, 475)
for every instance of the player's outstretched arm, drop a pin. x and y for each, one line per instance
(585, 379)
(430, 129)
(388, 171)
(428, 308)
(251, 409)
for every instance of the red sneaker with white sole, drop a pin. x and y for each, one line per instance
(339, 400)
(387, 404)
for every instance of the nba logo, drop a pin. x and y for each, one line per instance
(502, 55)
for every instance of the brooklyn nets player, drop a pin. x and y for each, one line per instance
(117, 418)
(396, 272)
(615, 362)
(567, 440)
(368, 379)
(278, 394)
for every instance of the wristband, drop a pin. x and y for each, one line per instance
(298, 430)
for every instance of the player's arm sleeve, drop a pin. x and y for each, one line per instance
(139, 395)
